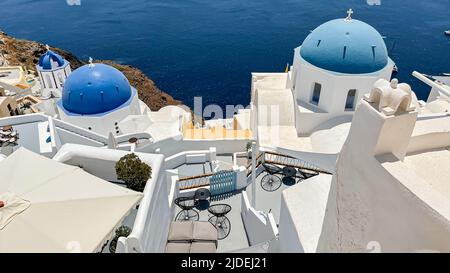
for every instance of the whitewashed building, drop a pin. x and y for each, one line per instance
(53, 71)
(97, 97)
(334, 68)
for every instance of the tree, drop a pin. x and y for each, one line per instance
(133, 172)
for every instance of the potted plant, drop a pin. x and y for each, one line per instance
(133, 172)
(249, 150)
(122, 231)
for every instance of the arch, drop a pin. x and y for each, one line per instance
(49, 81)
(315, 94)
(351, 100)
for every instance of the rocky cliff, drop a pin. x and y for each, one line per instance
(26, 53)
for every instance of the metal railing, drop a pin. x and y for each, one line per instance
(192, 182)
(259, 161)
(221, 182)
(284, 160)
(289, 161)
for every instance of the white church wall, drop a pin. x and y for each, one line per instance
(335, 86)
(102, 124)
(333, 95)
(54, 78)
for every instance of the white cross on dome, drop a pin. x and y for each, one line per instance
(349, 15)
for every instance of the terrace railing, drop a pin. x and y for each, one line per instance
(192, 182)
(259, 161)
(289, 161)
(219, 183)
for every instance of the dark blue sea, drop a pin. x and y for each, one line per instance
(209, 48)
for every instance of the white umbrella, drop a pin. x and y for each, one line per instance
(53, 207)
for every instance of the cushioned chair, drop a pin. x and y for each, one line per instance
(192, 237)
(181, 231)
(204, 231)
(178, 247)
(203, 247)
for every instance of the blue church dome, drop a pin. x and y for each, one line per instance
(50, 59)
(346, 46)
(94, 89)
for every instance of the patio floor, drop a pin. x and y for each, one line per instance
(265, 201)
(237, 238)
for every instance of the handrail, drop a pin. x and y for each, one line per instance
(257, 158)
(304, 165)
(193, 182)
(278, 154)
(195, 177)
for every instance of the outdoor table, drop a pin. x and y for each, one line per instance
(202, 194)
(289, 171)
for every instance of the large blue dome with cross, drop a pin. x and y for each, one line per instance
(95, 89)
(346, 46)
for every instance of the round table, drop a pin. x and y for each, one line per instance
(289, 171)
(202, 194)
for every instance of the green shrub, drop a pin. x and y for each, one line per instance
(133, 172)
(122, 231)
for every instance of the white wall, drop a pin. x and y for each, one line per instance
(149, 232)
(368, 203)
(302, 214)
(172, 146)
(259, 226)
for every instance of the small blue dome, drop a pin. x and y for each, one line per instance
(94, 89)
(345, 46)
(51, 60)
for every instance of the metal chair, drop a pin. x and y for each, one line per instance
(305, 174)
(187, 213)
(219, 220)
(271, 181)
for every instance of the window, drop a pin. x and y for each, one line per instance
(316, 93)
(350, 102)
(11, 112)
(49, 81)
